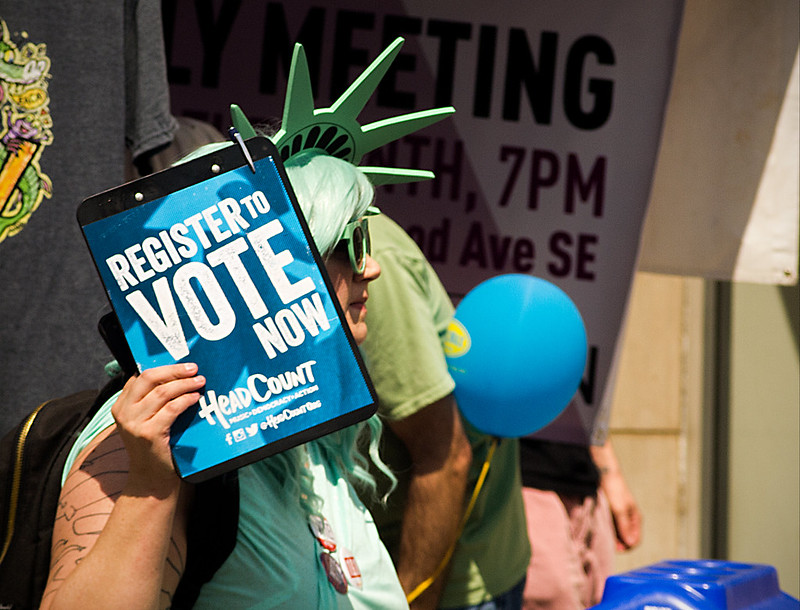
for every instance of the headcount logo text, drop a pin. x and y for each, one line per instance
(262, 394)
(217, 230)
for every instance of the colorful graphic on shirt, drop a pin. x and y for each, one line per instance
(25, 129)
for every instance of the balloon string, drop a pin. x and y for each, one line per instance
(446, 559)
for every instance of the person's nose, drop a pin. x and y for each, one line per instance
(372, 270)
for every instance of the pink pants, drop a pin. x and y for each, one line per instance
(573, 550)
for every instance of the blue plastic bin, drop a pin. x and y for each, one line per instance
(697, 585)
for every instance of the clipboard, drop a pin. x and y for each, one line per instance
(211, 261)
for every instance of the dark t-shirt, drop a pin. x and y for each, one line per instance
(79, 81)
(564, 468)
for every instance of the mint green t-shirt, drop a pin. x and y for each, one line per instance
(277, 562)
(408, 312)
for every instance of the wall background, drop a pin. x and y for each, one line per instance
(708, 432)
(705, 411)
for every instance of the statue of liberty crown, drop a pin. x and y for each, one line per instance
(335, 131)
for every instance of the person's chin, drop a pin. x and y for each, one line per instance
(359, 332)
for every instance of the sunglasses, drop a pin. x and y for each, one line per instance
(355, 238)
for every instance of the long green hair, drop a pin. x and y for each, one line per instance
(331, 193)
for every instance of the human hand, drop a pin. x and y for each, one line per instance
(145, 411)
(624, 510)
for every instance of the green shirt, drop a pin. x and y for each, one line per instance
(408, 312)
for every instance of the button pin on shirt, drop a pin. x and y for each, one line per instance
(323, 532)
(352, 571)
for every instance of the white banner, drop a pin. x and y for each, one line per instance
(546, 166)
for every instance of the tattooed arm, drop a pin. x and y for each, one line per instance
(119, 537)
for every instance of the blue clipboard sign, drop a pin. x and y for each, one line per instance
(209, 262)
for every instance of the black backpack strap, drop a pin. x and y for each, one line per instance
(32, 461)
(211, 534)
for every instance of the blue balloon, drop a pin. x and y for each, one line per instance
(516, 350)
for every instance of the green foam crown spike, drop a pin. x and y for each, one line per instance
(241, 123)
(335, 131)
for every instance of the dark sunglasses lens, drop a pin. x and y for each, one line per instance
(358, 248)
(367, 240)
